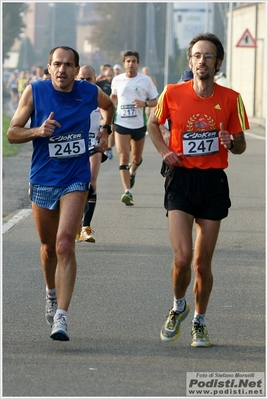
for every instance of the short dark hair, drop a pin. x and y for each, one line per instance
(76, 55)
(210, 37)
(129, 53)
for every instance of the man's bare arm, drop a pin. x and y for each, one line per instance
(238, 140)
(17, 132)
(239, 143)
(168, 156)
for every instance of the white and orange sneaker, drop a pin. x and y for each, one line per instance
(87, 234)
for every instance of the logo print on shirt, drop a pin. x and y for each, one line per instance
(136, 89)
(217, 106)
(200, 122)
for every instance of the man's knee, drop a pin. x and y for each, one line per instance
(182, 263)
(65, 246)
(202, 271)
(137, 163)
(48, 250)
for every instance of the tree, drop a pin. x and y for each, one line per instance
(27, 56)
(122, 26)
(110, 33)
(61, 28)
(12, 24)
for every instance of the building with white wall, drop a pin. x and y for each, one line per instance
(189, 19)
(247, 56)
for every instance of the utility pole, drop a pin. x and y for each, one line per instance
(230, 43)
(169, 38)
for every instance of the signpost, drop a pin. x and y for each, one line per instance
(247, 40)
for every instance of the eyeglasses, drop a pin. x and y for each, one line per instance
(207, 56)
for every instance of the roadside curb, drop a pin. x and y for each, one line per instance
(15, 219)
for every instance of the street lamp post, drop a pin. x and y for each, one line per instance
(169, 26)
(53, 21)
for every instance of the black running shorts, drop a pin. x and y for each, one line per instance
(136, 134)
(201, 193)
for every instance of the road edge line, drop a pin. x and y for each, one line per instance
(15, 220)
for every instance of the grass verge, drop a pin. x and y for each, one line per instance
(7, 148)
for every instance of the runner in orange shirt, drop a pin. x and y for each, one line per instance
(207, 122)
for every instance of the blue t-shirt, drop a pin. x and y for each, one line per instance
(62, 159)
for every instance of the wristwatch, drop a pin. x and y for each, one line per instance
(146, 103)
(108, 127)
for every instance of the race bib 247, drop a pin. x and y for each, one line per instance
(200, 143)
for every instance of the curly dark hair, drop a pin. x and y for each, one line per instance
(210, 37)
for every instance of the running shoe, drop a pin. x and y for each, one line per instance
(127, 199)
(87, 234)
(172, 328)
(109, 153)
(51, 308)
(77, 237)
(59, 329)
(132, 177)
(200, 336)
(132, 180)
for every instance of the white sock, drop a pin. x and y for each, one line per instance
(131, 172)
(59, 313)
(179, 304)
(199, 318)
(51, 293)
(128, 191)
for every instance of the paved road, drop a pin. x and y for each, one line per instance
(123, 290)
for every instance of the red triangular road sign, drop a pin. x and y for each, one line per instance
(247, 40)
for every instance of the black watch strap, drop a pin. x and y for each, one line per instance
(108, 127)
(232, 145)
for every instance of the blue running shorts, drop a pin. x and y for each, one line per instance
(49, 197)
